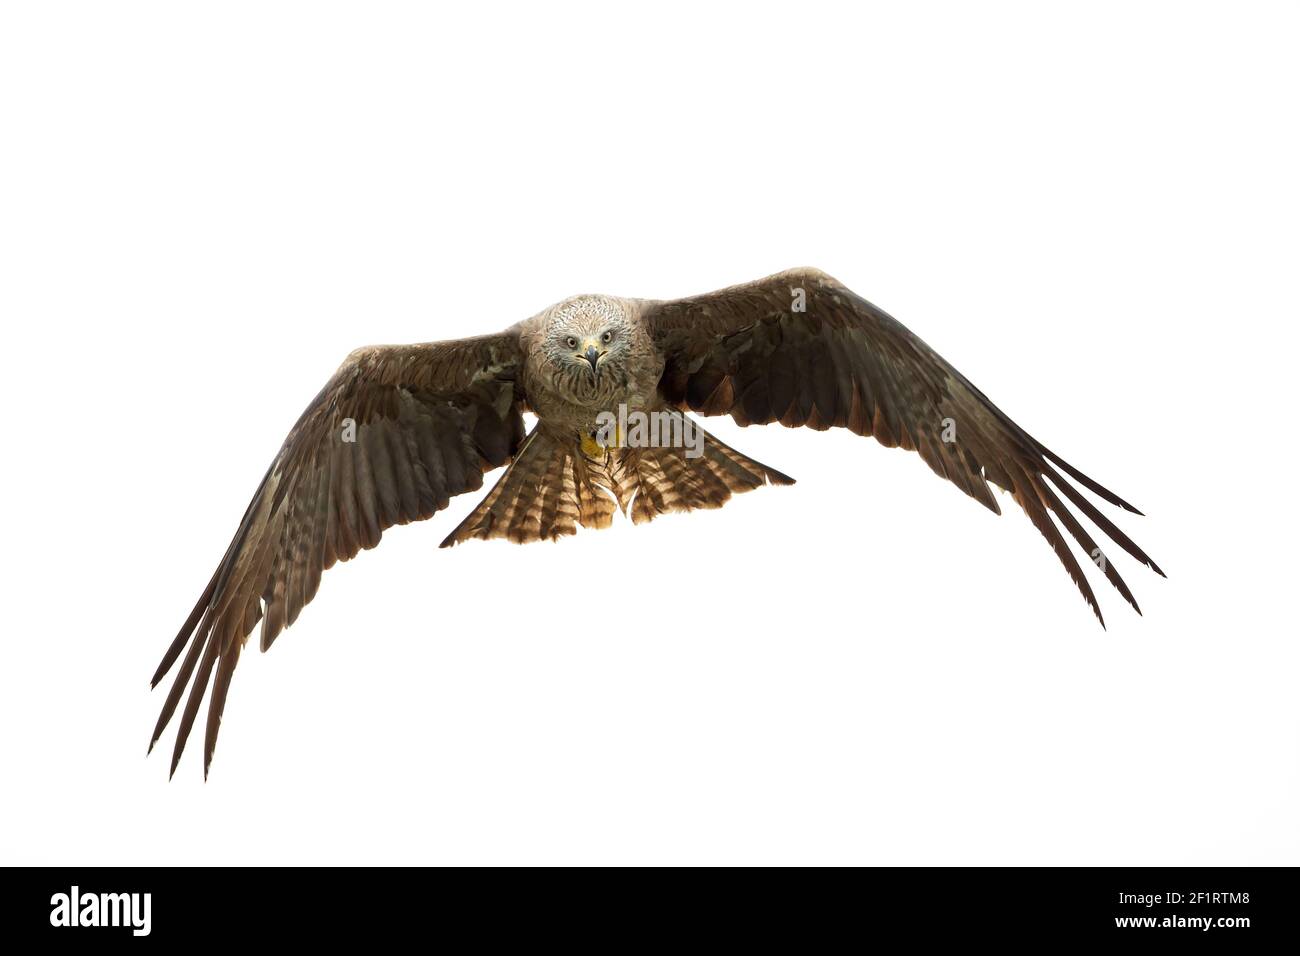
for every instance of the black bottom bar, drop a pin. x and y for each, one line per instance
(1232, 907)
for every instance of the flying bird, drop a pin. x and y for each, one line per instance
(399, 430)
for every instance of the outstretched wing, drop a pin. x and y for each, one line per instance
(800, 349)
(396, 433)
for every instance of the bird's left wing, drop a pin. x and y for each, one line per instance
(801, 349)
(394, 434)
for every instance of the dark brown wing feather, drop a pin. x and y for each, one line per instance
(428, 421)
(749, 352)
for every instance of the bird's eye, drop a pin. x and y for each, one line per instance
(607, 337)
(571, 342)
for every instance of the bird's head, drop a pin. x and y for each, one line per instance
(589, 338)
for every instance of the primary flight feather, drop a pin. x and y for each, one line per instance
(399, 430)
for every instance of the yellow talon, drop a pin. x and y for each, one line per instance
(592, 448)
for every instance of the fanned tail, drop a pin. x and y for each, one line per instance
(554, 485)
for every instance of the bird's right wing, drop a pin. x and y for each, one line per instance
(394, 434)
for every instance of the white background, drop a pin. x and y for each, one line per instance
(1090, 210)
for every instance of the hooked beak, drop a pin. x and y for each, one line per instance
(592, 355)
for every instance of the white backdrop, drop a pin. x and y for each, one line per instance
(1091, 212)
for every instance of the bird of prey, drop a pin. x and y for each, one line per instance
(399, 430)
